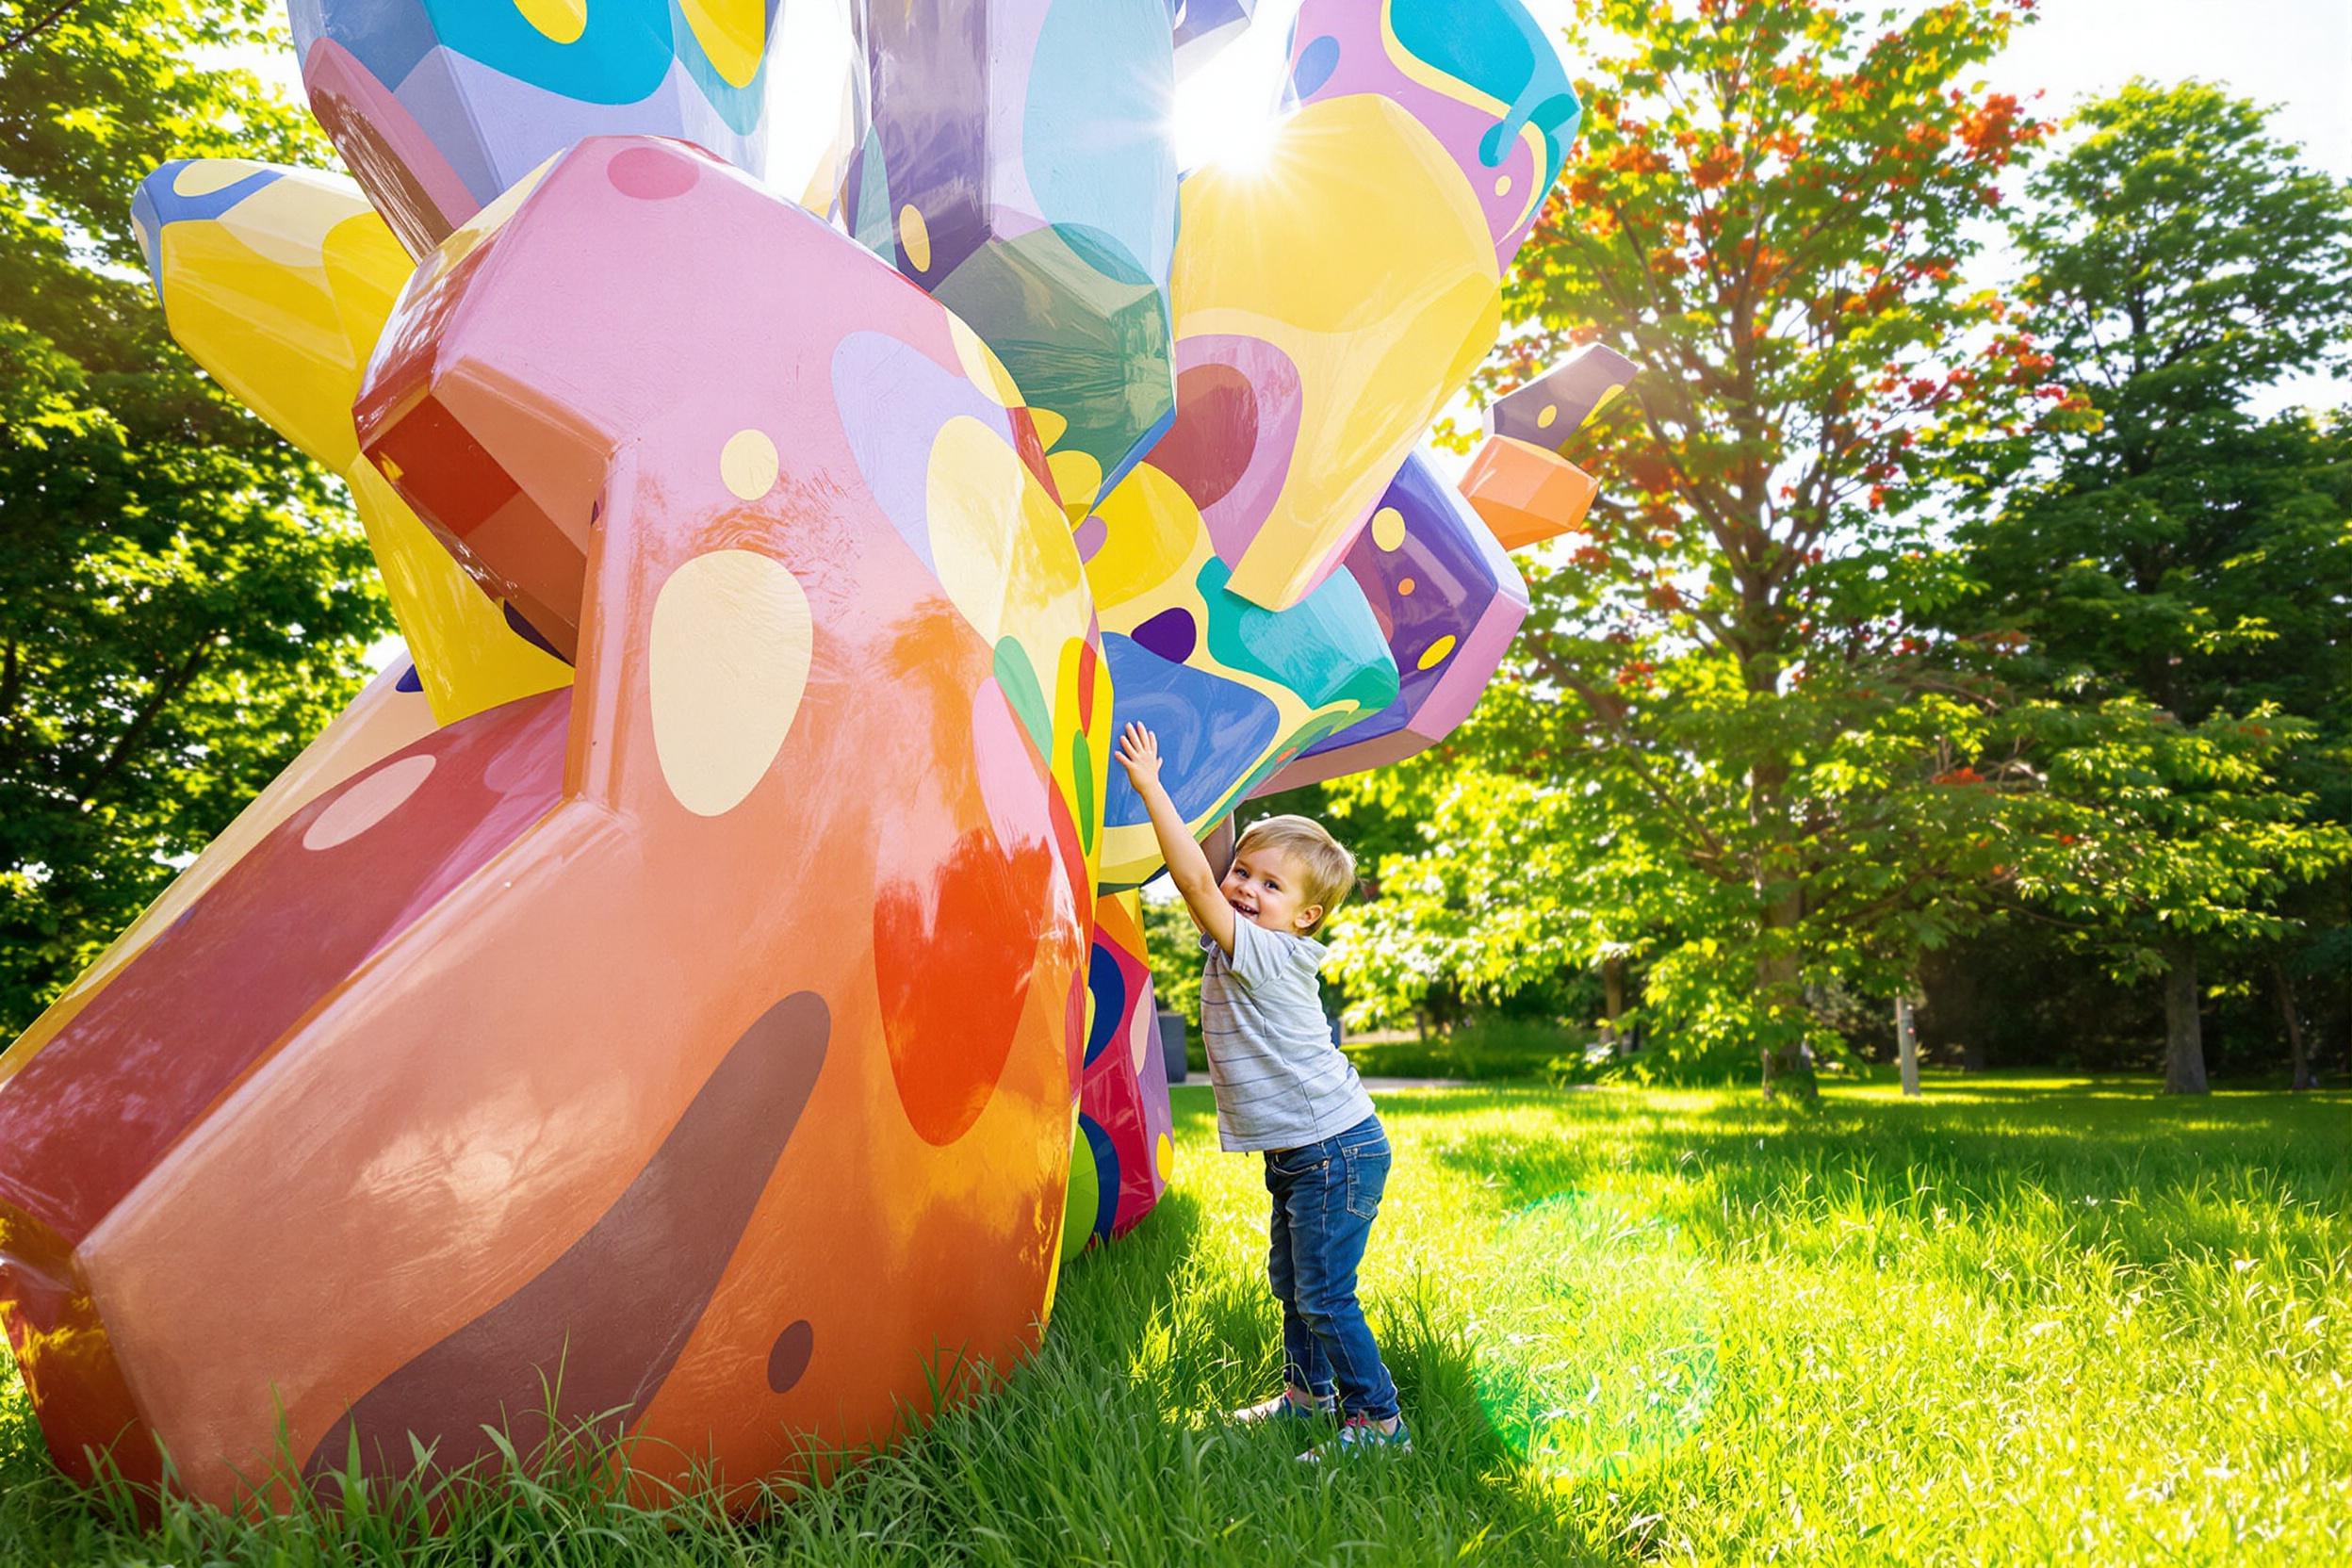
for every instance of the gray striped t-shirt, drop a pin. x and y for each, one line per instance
(1280, 1082)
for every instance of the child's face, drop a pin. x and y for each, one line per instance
(1262, 886)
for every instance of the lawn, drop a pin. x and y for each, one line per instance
(2015, 1321)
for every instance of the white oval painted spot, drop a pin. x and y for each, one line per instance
(728, 661)
(748, 464)
(368, 802)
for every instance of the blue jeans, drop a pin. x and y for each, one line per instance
(1324, 1196)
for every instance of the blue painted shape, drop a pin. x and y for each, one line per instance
(1109, 983)
(1106, 1174)
(1099, 84)
(1209, 728)
(156, 207)
(621, 56)
(1316, 62)
(388, 37)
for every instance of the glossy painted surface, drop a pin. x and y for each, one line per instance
(1328, 302)
(1231, 690)
(390, 714)
(1017, 161)
(713, 1024)
(439, 106)
(1125, 1153)
(1550, 410)
(1520, 481)
(1483, 76)
(278, 280)
(1527, 495)
(1448, 602)
(1204, 27)
(1349, 280)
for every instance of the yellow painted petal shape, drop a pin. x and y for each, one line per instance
(1359, 251)
(734, 33)
(1003, 547)
(730, 647)
(282, 297)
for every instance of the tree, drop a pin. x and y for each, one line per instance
(183, 601)
(2159, 841)
(1726, 686)
(2182, 571)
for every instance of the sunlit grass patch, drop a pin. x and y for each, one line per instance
(2009, 1321)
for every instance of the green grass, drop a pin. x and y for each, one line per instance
(2014, 1321)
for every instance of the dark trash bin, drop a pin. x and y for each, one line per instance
(1172, 1045)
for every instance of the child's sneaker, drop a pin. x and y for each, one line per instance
(1282, 1407)
(1360, 1434)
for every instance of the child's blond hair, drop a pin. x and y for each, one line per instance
(1326, 870)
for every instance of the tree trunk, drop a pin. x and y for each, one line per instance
(1788, 1066)
(2298, 1055)
(2184, 1036)
(1613, 1003)
(1907, 1045)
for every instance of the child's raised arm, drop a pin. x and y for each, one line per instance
(1187, 866)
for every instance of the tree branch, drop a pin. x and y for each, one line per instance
(166, 689)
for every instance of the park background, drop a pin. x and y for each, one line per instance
(1966, 627)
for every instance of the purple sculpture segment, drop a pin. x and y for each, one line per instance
(1447, 599)
(1017, 162)
(1550, 410)
(439, 106)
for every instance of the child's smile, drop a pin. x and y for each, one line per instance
(1261, 885)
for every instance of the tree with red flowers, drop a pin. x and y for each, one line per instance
(1782, 783)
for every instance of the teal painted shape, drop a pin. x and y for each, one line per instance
(619, 58)
(738, 107)
(1023, 691)
(1496, 47)
(875, 218)
(1327, 647)
(1099, 352)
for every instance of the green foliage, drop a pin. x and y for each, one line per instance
(183, 601)
(2173, 575)
(1172, 948)
(2152, 831)
(2013, 1322)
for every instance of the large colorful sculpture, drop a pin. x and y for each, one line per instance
(695, 988)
